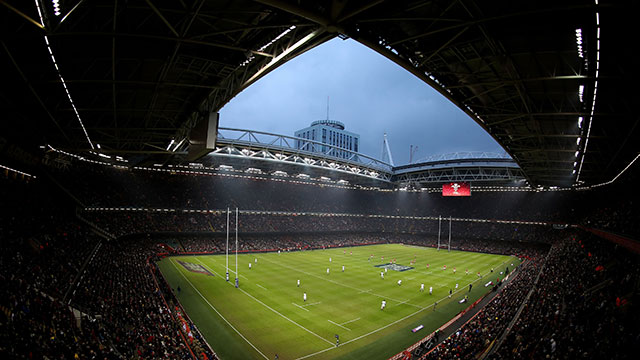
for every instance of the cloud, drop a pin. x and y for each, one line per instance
(368, 93)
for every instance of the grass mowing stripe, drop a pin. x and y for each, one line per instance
(286, 318)
(347, 286)
(344, 297)
(276, 311)
(379, 329)
(216, 310)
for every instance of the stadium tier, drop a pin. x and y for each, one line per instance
(91, 269)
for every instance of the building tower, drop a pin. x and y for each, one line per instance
(332, 133)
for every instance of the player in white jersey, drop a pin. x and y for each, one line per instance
(430, 290)
(342, 268)
(382, 274)
(249, 266)
(456, 285)
(304, 297)
(384, 304)
(421, 287)
(298, 282)
(399, 282)
(327, 271)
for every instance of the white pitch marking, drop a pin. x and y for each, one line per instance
(301, 307)
(286, 318)
(315, 303)
(337, 283)
(262, 287)
(336, 324)
(217, 312)
(350, 321)
(376, 330)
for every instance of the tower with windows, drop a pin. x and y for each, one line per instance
(339, 142)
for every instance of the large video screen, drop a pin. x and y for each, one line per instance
(456, 189)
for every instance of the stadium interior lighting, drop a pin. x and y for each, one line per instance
(264, 47)
(595, 91)
(580, 119)
(177, 145)
(579, 43)
(225, 167)
(170, 143)
(581, 93)
(64, 84)
(283, 55)
(56, 7)
(16, 171)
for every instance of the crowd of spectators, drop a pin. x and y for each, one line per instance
(70, 293)
(103, 186)
(116, 312)
(124, 222)
(580, 308)
(472, 340)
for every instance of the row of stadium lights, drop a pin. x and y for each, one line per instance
(17, 171)
(577, 165)
(579, 41)
(265, 46)
(316, 214)
(56, 6)
(326, 182)
(307, 161)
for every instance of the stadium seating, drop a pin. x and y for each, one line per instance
(72, 292)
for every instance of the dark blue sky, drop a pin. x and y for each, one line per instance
(368, 93)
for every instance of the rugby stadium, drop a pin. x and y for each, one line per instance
(136, 226)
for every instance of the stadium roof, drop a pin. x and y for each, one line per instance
(549, 80)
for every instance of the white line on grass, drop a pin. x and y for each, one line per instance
(217, 312)
(337, 283)
(336, 324)
(382, 328)
(286, 318)
(294, 304)
(315, 303)
(275, 311)
(350, 321)
(262, 286)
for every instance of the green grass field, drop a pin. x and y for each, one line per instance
(266, 315)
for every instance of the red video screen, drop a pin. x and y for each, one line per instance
(456, 189)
